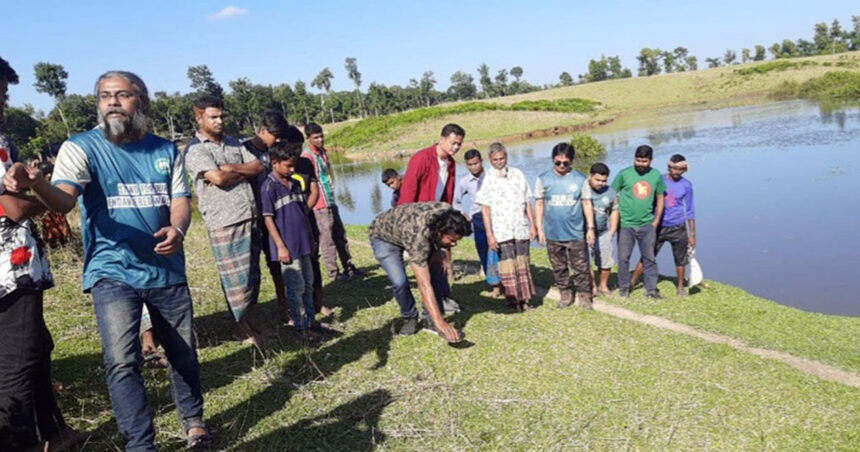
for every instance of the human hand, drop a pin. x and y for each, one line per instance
(492, 243)
(691, 241)
(532, 233)
(589, 237)
(542, 238)
(172, 240)
(284, 255)
(655, 223)
(448, 332)
(20, 177)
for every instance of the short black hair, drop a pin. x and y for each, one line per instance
(293, 135)
(450, 222)
(600, 168)
(208, 101)
(644, 151)
(453, 128)
(7, 73)
(677, 158)
(275, 123)
(565, 149)
(312, 128)
(472, 153)
(282, 151)
(388, 174)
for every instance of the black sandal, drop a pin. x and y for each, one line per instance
(203, 441)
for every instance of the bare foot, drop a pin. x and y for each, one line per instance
(325, 311)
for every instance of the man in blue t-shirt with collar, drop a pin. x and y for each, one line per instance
(561, 212)
(135, 211)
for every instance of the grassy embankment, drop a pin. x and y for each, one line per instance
(547, 380)
(640, 96)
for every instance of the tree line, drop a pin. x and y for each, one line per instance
(171, 116)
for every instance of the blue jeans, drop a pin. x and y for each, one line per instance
(299, 282)
(480, 239)
(646, 236)
(390, 257)
(118, 308)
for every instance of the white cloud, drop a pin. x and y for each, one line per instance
(228, 12)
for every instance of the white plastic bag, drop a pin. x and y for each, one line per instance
(696, 276)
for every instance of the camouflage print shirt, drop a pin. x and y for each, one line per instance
(407, 226)
(23, 263)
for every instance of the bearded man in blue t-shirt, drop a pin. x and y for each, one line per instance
(135, 211)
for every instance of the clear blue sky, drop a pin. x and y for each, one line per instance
(272, 42)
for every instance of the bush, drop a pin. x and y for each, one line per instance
(832, 86)
(587, 146)
(778, 65)
(380, 128)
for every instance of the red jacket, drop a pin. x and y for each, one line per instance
(422, 176)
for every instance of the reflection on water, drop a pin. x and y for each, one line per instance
(775, 194)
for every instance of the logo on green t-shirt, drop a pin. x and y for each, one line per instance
(641, 189)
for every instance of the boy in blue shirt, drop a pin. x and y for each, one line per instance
(284, 213)
(562, 209)
(605, 206)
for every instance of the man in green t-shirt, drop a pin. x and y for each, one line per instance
(640, 191)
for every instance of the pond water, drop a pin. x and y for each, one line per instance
(777, 191)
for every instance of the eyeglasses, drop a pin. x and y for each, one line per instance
(120, 95)
(561, 163)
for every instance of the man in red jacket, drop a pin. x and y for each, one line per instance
(430, 174)
(430, 177)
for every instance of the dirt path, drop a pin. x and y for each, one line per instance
(807, 366)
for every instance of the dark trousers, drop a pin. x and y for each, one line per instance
(28, 408)
(390, 258)
(333, 241)
(646, 237)
(118, 308)
(480, 239)
(570, 255)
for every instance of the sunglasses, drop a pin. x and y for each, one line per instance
(561, 163)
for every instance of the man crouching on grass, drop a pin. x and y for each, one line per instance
(422, 229)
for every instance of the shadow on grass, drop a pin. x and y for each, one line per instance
(315, 365)
(352, 426)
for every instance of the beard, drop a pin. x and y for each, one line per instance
(642, 169)
(121, 130)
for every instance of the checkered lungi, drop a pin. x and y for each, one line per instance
(237, 253)
(514, 269)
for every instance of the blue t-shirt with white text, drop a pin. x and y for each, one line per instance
(562, 195)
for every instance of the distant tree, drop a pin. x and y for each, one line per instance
(759, 53)
(565, 79)
(713, 62)
(169, 114)
(745, 55)
(462, 86)
(203, 82)
(729, 57)
(516, 73)
(485, 80)
(51, 80)
(501, 80)
(668, 62)
(605, 68)
(775, 50)
(22, 127)
(649, 61)
(428, 81)
(804, 47)
(692, 63)
(301, 91)
(788, 49)
(323, 82)
(615, 70)
(854, 38)
(352, 72)
(680, 59)
(822, 38)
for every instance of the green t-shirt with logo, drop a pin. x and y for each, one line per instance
(636, 195)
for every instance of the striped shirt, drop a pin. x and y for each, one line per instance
(286, 205)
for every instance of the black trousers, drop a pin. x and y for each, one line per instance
(28, 408)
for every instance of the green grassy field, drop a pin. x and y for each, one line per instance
(636, 97)
(550, 379)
